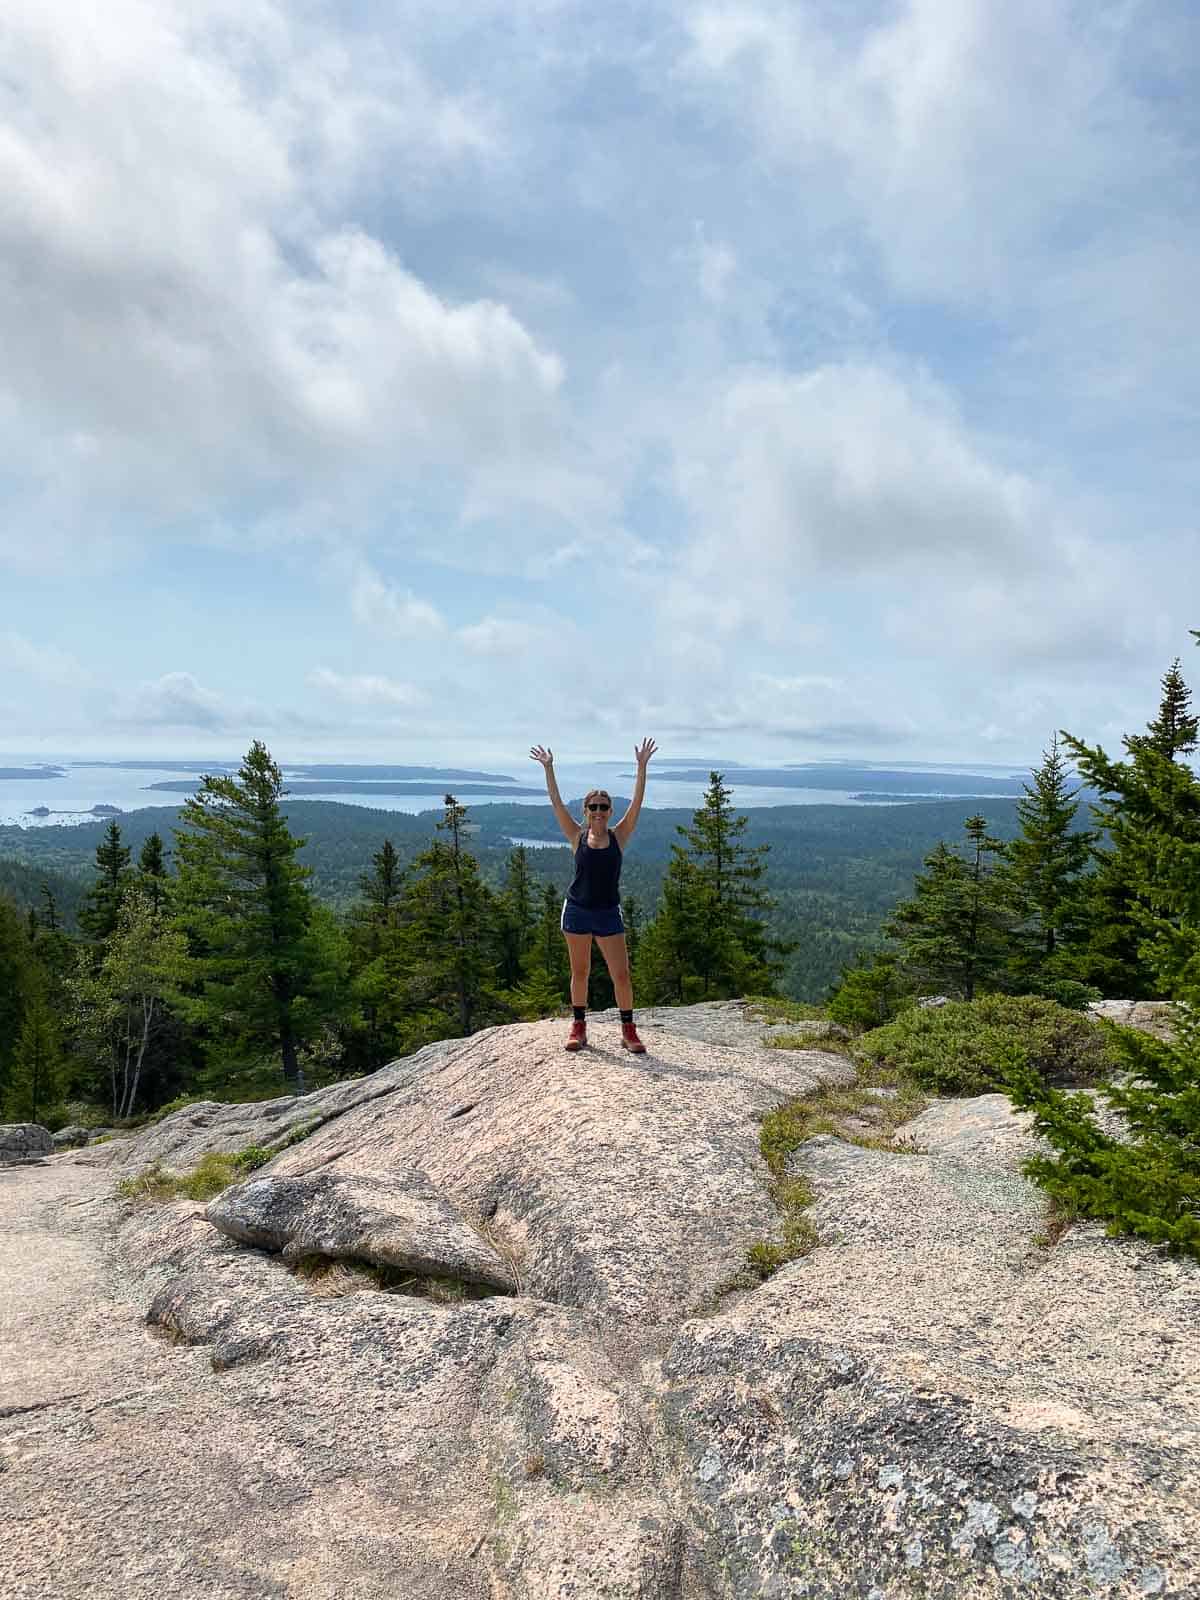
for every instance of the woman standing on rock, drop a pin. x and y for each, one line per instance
(592, 909)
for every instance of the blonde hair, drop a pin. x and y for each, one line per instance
(594, 794)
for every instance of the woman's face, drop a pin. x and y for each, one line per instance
(599, 808)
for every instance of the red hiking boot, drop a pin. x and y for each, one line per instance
(577, 1037)
(630, 1040)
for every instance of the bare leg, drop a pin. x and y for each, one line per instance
(579, 945)
(616, 957)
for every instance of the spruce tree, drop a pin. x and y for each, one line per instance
(1148, 1181)
(1046, 862)
(371, 924)
(35, 1085)
(152, 871)
(678, 949)
(955, 934)
(17, 976)
(1173, 733)
(1149, 803)
(102, 903)
(517, 920)
(707, 938)
(262, 979)
(439, 968)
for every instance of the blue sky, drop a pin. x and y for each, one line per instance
(420, 382)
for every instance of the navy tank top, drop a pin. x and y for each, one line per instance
(597, 875)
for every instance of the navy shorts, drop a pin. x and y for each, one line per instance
(583, 919)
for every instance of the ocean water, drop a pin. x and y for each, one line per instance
(77, 786)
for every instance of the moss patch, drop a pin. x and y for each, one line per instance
(860, 1116)
(777, 1008)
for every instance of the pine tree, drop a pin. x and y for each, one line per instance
(263, 980)
(1147, 1182)
(152, 871)
(956, 932)
(1046, 862)
(517, 921)
(16, 980)
(371, 924)
(707, 938)
(36, 1081)
(102, 903)
(678, 949)
(1150, 803)
(1173, 733)
(439, 968)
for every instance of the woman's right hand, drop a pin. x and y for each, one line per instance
(546, 757)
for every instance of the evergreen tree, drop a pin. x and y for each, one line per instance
(1148, 1181)
(1149, 805)
(956, 932)
(1046, 862)
(16, 980)
(1173, 733)
(35, 1085)
(263, 980)
(152, 871)
(437, 972)
(102, 903)
(707, 939)
(368, 1042)
(548, 950)
(517, 920)
(678, 950)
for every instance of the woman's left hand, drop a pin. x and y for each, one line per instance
(644, 751)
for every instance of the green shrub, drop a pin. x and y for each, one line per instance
(1147, 1183)
(870, 995)
(253, 1157)
(975, 1046)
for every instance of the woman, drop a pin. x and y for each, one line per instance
(592, 909)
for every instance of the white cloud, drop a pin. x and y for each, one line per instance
(499, 636)
(380, 605)
(177, 700)
(366, 689)
(45, 663)
(180, 291)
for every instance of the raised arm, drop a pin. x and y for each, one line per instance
(624, 828)
(566, 821)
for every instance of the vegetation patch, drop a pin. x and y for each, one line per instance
(339, 1275)
(778, 1008)
(212, 1174)
(971, 1047)
(1059, 1217)
(829, 1109)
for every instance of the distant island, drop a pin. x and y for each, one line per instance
(876, 783)
(358, 786)
(31, 772)
(92, 811)
(298, 769)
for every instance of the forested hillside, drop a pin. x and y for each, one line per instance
(835, 871)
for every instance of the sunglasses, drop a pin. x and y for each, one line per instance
(597, 805)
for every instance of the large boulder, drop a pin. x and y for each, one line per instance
(936, 1400)
(24, 1141)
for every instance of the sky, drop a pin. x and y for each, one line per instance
(417, 382)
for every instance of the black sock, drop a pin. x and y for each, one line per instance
(580, 1012)
(627, 1016)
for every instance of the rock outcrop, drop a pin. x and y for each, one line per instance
(567, 1385)
(24, 1141)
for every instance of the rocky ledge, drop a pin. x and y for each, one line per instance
(561, 1379)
